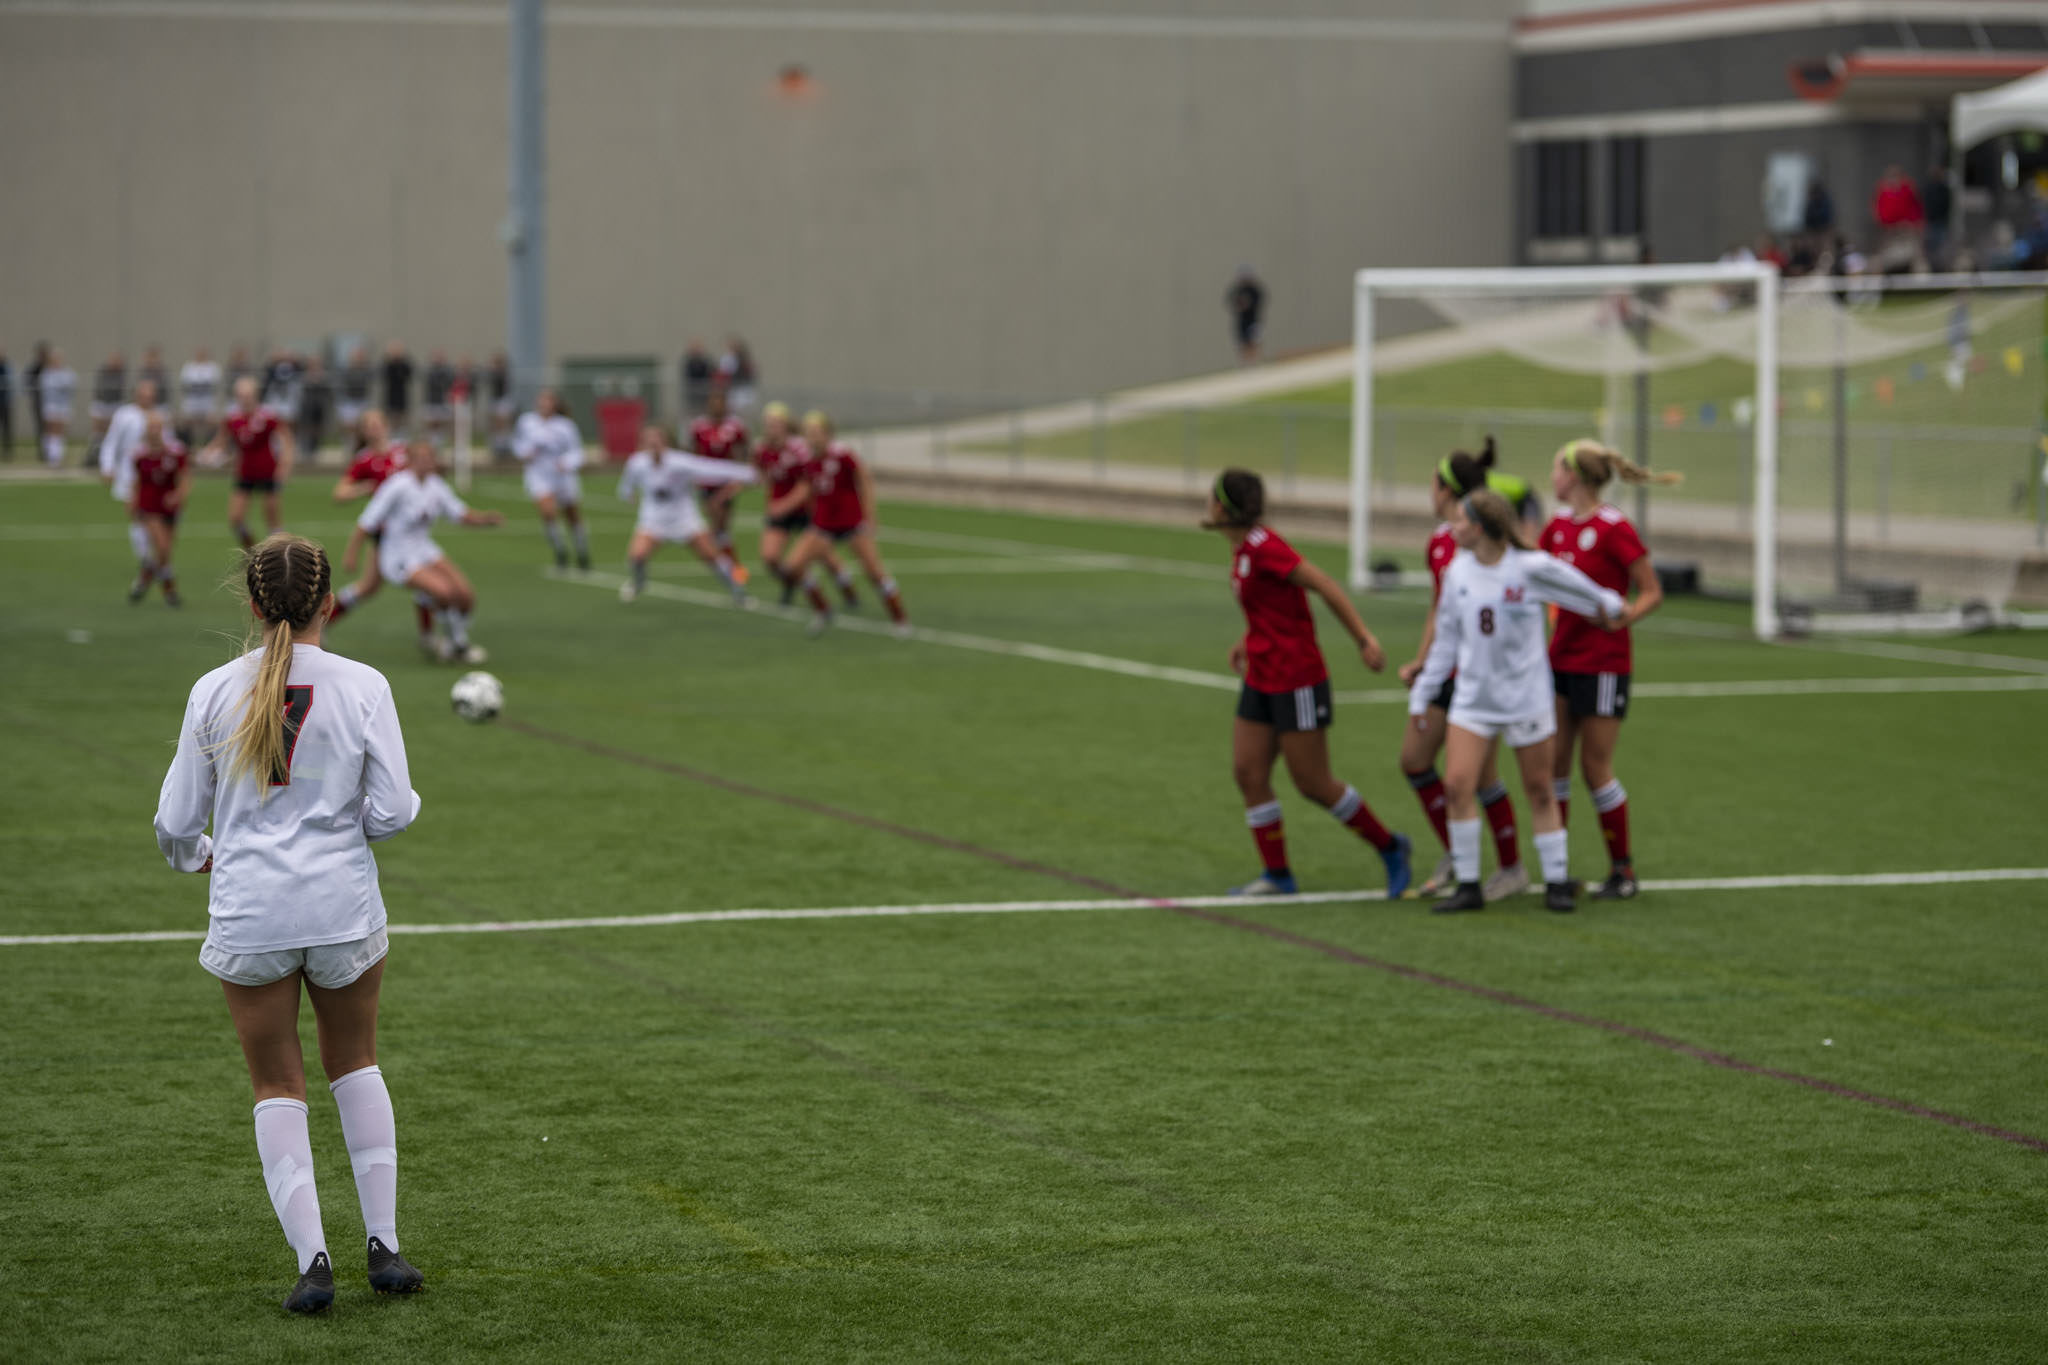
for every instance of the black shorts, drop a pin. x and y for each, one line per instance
(1247, 331)
(837, 535)
(794, 522)
(1304, 708)
(1442, 700)
(167, 518)
(1593, 694)
(255, 485)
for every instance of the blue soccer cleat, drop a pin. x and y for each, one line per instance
(1399, 873)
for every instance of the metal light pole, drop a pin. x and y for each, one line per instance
(525, 228)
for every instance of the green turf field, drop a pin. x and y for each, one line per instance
(1715, 1124)
(1916, 446)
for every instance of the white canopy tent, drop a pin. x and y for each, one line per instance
(2006, 109)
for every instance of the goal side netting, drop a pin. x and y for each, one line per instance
(1859, 454)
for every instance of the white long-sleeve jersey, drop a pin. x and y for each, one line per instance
(117, 449)
(547, 443)
(674, 476)
(1489, 630)
(402, 513)
(292, 866)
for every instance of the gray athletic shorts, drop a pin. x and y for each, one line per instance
(329, 966)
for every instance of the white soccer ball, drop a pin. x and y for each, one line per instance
(477, 696)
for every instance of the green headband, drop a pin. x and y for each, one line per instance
(1222, 496)
(1450, 478)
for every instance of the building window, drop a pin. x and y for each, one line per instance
(1561, 189)
(1625, 187)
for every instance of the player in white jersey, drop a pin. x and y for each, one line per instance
(548, 444)
(295, 757)
(57, 386)
(117, 470)
(198, 398)
(665, 481)
(1489, 630)
(401, 515)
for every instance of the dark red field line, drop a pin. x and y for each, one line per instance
(1315, 945)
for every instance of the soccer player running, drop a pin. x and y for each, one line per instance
(1456, 475)
(163, 480)
(294, 902)
(719, 435)
(1284, 706)
(400, 518)
(377, 458)
(118, 447)
(841, 497)
(1592, 666)
(56, 388)
(665, 481)
(1489, 631)
(548, 444)
(263, 459)
(782, 459)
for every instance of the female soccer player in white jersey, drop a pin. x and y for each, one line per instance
(665, 481)
(1456, 475)
(1592, 666)
(1284, 706)
(548, 444)
(295, 757)
(401, 516)
(56, 388)
(1489, 630)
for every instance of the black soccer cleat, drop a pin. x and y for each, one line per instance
(562, 560)
(138, 590)
(315, 1289)
(1467, 897)
(1619, 886)
(1559, 896)
(391, 1273)
(583, 563)
(788, 591)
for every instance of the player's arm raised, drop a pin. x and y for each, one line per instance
(1307, 576)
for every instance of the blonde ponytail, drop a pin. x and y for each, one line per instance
(287, 579)
(1596, 465)
(1493, 514)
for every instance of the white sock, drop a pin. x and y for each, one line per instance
(53, 449)
(286, 1151)
(1550, 852)
(138, 541)
(372, 1137)
(582, 541)
(1610, 796)
(1562, 787)
(348, 596)
(554, 534)
(1465, 849)
(722, 566)
(845, 577)
(163, 573)
(457, 623)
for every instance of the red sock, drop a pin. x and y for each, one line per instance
(1429, 790)
(1612, 803)
(1268, 834)
(426, 618)
(340, 610)
(818, 602)
(893, 600)
(1359, 819)
(1500, 814)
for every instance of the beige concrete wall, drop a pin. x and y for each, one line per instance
(982, 198)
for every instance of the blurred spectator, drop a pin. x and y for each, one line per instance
(434, 405)
(32, 381)
(397, 386)
(1768, 250)
(6, 408)
(281, 381)
(58, 386)
(239, 367)
(109, 391)
(152, 369)
(697, 372)
(357, 379)
(1818, 218)
(1936, 200)
(498, 389)
(198, 399)
(1900, 219)
(316, 402)
(736, 370)
(1246, 300)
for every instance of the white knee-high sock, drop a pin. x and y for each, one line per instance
(554, 534)
(286, 1150)
(457, 623)
(1550, 852)
(582, 540)
(53, 449)
(1465, 849)
(138, 541)
(372, 1136)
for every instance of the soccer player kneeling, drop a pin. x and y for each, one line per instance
(1489, 630)
(294, 897)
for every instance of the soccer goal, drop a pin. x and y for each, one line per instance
(1859, 453)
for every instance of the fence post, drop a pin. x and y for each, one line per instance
(1098, 437)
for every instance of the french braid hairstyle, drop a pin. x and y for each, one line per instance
(287, 578)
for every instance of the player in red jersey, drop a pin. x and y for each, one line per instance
(163, 480)
(1591, 666)
(263, 459)
(377, 458)
(841, 497)
(1284, 706)
(1458, 474)
(782, 459)
(719, 435)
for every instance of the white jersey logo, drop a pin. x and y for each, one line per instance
(1587, 538)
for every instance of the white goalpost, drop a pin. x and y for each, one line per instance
(1861, 453)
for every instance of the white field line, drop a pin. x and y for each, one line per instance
(921, 568)
(1224, 682)
(530, 926)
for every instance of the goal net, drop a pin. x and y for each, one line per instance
(1859, 453)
